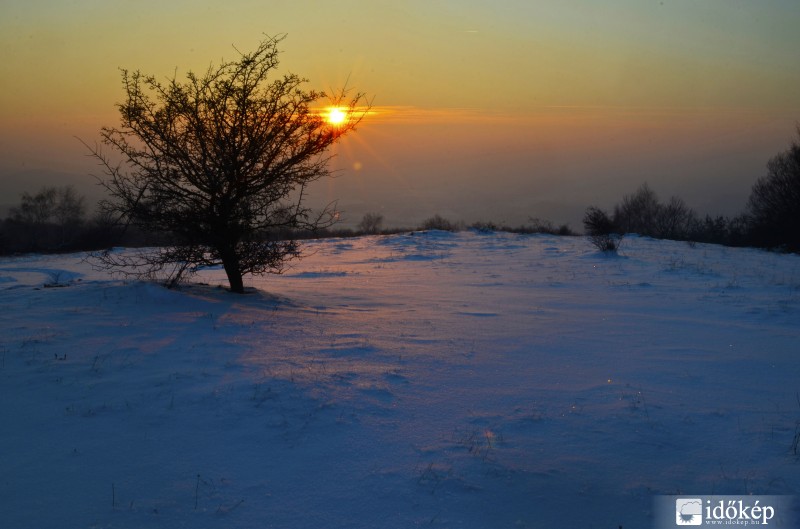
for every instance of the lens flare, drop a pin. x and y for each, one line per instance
(336, 116)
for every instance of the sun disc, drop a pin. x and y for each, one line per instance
(336, 116)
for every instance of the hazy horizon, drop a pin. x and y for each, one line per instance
(483, 112)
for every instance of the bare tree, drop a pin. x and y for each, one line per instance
(674, 220)
(774, 204)
(637, 213)
(36, 209)
(371, 223)
(49, 219)
(219, 163)
(69, 208)
(644, 214)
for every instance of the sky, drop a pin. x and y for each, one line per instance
(498, 111)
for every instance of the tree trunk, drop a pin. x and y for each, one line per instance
(230, 262)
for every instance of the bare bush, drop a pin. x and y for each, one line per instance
(537, 225)
(371, 223)
(601, 230)
(485, 227)
(637, 213)
(437, 222)
(644, 214)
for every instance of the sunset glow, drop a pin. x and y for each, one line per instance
(336, 116)
(538, 108)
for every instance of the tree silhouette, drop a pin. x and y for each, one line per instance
(774, 204)
(370, 223)
(638, 213)
(601, 230)
(217, 164)
(48, 220)
(644, 214)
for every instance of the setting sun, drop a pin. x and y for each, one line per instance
(336, 116)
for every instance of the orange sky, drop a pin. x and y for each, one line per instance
(488, 109)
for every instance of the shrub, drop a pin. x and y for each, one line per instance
(485, 227)
(642, 213)
(637, 213)
(437, 222)
(538, 225)
(601, 230)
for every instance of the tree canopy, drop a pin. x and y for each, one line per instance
(774, 204)
(219, 163)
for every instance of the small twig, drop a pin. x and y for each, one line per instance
(225, 510)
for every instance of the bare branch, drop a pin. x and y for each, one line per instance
(218, 162)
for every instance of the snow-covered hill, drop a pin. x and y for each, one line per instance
(419, 380)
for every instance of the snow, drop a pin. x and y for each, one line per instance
(426, 379)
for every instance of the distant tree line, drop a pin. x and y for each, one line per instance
(771, 218)
(372, 224)
(55, 220)
(642, 213)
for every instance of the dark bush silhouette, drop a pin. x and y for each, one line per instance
(370, 223)
(674, 220)
(637, 213)
(485, 227)
(601, 230)
(437, 222)
(642, 213)
(537, 225)
(218, 164)
(774, 204)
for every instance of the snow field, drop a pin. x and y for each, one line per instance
(427, 379)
